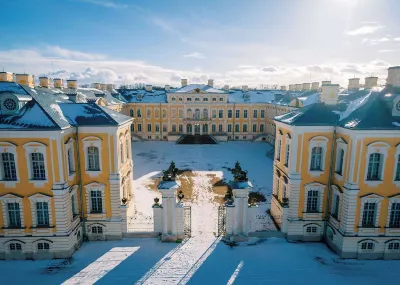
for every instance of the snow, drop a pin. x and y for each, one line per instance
(31, 116)
(397, 124)
(354, 105)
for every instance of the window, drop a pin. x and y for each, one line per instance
(213, 128)
(278, 152)
(131, 112)
(179, 99)
(180, 113)
(139, 127)
(220, 114)
(173, 99)
(214, 113)
(311, 229)
(336, 206)
(220, 128)
(214, 99)
(245, 114)
(278, 188)
(255, 114)
(157, 113)
(38, 168)
(316, 158)
(340, 162)
(237, 114)
(164, 113)
(97, 230)
(367, 245)
(189, 113)
(73, 207)
(284, 191)
(138, 113)
(221, 99)
(149, 127)
(180, 128)
(287, 154)
(127, 148)
(312, 201)
(368, 219)
(121, 149)
(254, 128)
(157, 128)
(43, 246)
(261, 128)
(96, 201)
(93, 158)
(394, 245)
(8, 169)
(205, 113)
(42, 211)
(15, 246)
(205, 99)
(148, 113)
(132, 128)
(14, 218)
(397, 176)
(395, 216)
(189, 99)
(244, 128)
(173, 113)
(262, 114)
(229, 113)
(237, 128)
(196, 99)
(165, 128)
(374, 166)
(173, 128)
(197, 114)
(71, 166)
(229, 128)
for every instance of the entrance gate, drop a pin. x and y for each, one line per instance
(221, 221)
(187, 221)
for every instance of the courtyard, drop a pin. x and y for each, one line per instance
(204, 258)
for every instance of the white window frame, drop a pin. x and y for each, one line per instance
(381, 148)
(35, 245)
(336, 192)
(316, 233)
(7, 246)
(372, 198)
(39, 197)
(392, 241)
(340, 145)
(366, 241)
(279, 146)
(321, 194)
(73, 193)
(288, 142)
(393, 199)
(96, 142)
(318, 141)
(70, 145)
(12, 198)
(95, 187)
(396, 160)
(10, 148)
(32, 147)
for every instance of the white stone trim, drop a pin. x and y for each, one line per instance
(372, 198)
(375, 148)
(336, 192)
(318, 229)
(11, 198)
(359, 249)
(95, 187)
(396, 160)
(39, 197)
(70, 145)
(74, 192)
(278, 150)
(92, 141)
(32, 147)
(393, 199)
(10, 148)
(42, 240)
(7, 246)
(288, 142)
(321, 192)
(340, 145)
(318, 141)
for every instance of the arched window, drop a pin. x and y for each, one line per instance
(220, 129)
(316, 158)
(121, 149)
(7, 164)
(180, 113)
(93, 158)
(197, 114)
(131, 112)
(229, 113)
(205, 113)
(189, 113)
(127, 147)
(43, 246)
(374, 166)
(70, 156)
(157, 113)
(138, 113)
(38, 167)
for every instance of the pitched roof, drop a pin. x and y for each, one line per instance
(191, 88)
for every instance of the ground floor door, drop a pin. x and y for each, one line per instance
(197, 129)
(205, 128)
(189, 129)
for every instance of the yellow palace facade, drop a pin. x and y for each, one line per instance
(337, 170)
(66, 169)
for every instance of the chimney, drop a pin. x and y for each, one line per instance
(326, 82)
(103, 86)
(167, 88)
(393, 76)
(306, 86)
(371, 82)
(210, 82)
(58, 83)
(96, 85)
(184, 82)
(354, 83)
(283, 88)
(72, 84)
(6, 76)
(44, 82)
(26, 79)
(245, 88)
(292, 87)
(298, 87)
(148, 88)
(315, 86)
(226, 88)
(329, 94)
(110, 87)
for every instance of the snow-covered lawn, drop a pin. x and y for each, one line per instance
(274, 261)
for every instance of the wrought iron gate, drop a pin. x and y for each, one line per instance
(187, 221)
(221, 221)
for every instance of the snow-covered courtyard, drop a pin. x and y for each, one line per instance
(204, 258)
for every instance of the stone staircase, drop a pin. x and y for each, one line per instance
(196, 139)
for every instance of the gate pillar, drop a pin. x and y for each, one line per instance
(171, 212)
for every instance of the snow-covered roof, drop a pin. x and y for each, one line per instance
(251, 96)
(143, 96)
(192, 88)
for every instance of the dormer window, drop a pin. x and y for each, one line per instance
(10, 104)
(396, 106)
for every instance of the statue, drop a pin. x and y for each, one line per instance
(239, 175)
(170, 173)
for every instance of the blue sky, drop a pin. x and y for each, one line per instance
(235, 42)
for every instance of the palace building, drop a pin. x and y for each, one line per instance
(65, 167)
(337, 170)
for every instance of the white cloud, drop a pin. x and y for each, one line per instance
(194, 54)
(57, 51)
(364, 30)
(389, 50)
(106, 4)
